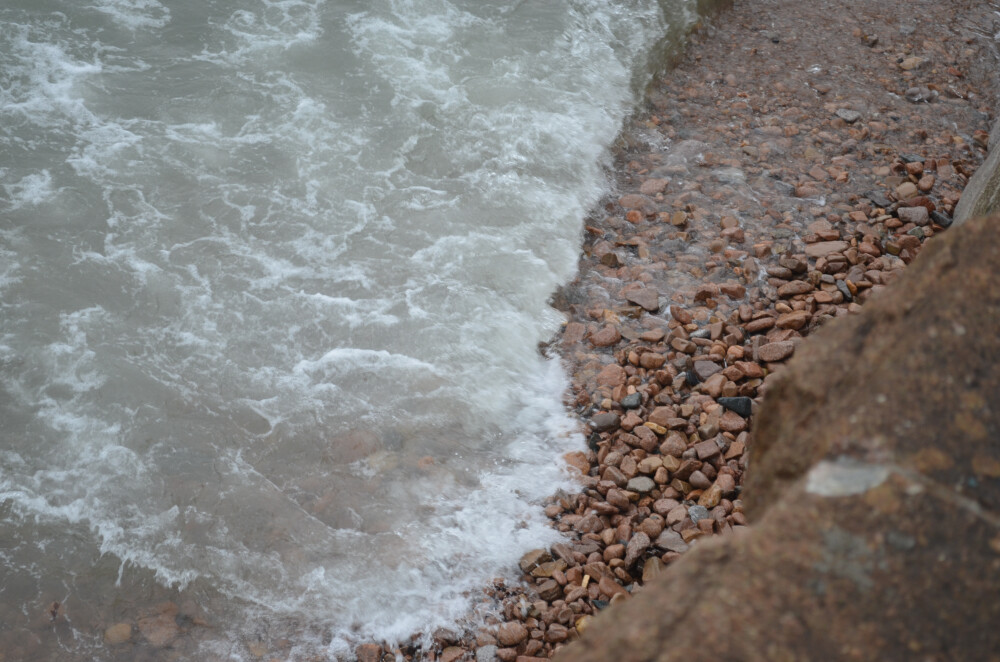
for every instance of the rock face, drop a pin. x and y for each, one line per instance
(982, 194)
(874, 493)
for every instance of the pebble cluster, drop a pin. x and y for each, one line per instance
(760, 196)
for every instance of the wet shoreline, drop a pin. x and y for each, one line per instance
(775, 180)
(756, 199)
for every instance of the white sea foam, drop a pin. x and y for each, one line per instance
(258, 270)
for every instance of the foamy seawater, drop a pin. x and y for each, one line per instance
(273, 274)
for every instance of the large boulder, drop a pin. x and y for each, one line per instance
(982, 194)
(873, 493)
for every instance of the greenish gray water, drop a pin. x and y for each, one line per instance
(273, 275)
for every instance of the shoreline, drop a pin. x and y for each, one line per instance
(758, 196)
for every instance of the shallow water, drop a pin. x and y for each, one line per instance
(273, 274)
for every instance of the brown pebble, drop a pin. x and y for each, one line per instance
(511, 634)
(776, 351)
(608, 335)
(368, 653)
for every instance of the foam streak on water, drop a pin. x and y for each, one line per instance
(259, 261)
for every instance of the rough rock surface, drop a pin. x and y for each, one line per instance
(874, 495)
(982, 195)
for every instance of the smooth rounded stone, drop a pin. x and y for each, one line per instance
(705, 369)
(848, 115)
(741, 405)
(795, 287)
(605, 421)
(646, 297)
(652, 526)
(618, 499)
(556, 633)
(826, 248)
(609, 586)
(632, 401)
(845, 290)
(511, 634)
(699, 480)
(795, 319)
(641, 484)
(652, 360)
(681, 315)
(549, 590)
(906, 190)
(710, 498)
(486, 653)
(776, 351)
(915, 215)
(606, 336)
(941, 219)
(758, 325)
(611, 375)
(733, 290)
(697, 513)
(118, 633)
(671, 541)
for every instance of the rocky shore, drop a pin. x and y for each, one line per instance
(789, 168)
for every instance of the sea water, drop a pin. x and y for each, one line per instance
(273, 277)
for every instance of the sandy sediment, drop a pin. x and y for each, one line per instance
(785, 171)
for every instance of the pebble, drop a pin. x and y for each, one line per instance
(849, 116)
(826, 248)
(646, 298)
(741, 405)
(671, 541)
(605, 421)
(631, 401)
(915, 215)
(776, 351)
(511, 633)
(641, 484)
(606, 336)
(697, 513)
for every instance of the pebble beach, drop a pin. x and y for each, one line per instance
(783, 170)
(786, 170)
